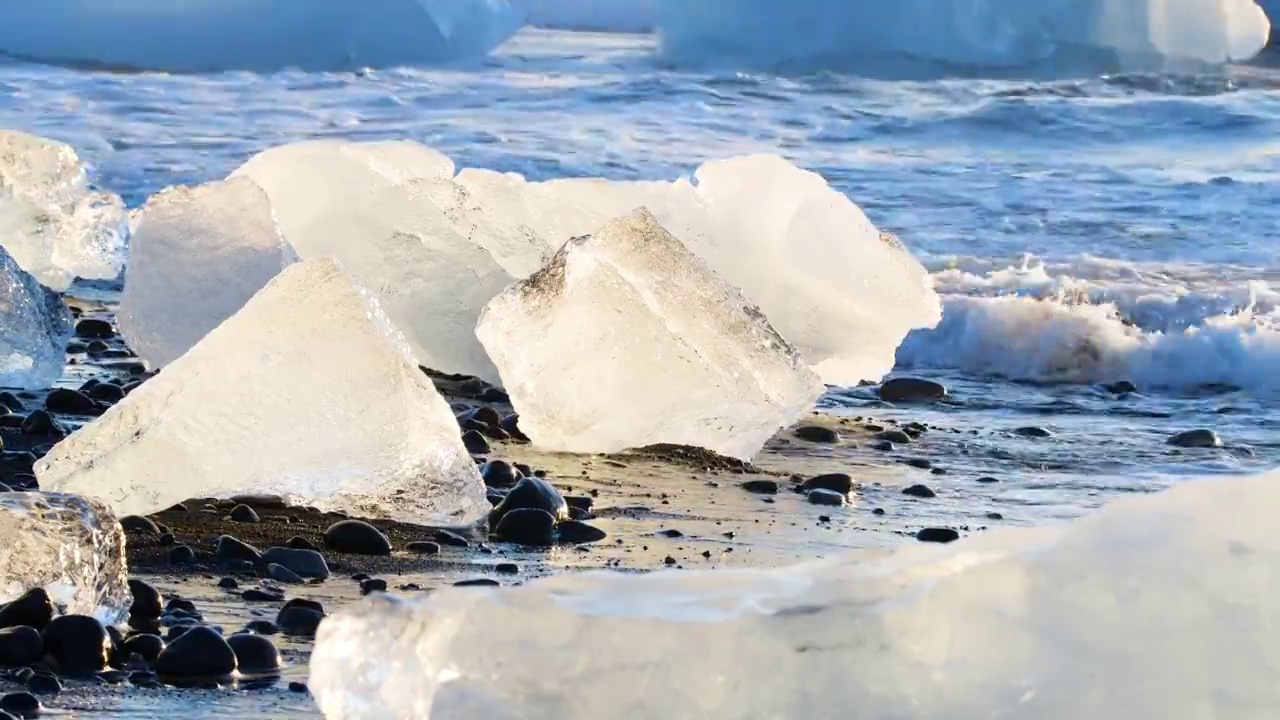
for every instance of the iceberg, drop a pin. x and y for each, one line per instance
(70, 546)
(1157, 606)
(619, 16)
(255, 35)
(626, 339)
(35, 327)
(51, 222)
(196, 256)
(307, 392)
(1101, 35)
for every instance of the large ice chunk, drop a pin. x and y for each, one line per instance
(373, 207)
(196, 256)
(626, 339)
(50, 221)
(259, 35)
(34, 329)
(307, 392)
(70, 546)
(867, 35)
(1160, 606)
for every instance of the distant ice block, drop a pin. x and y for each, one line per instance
(307, 392)
(50, 221)
(626, 339)
(1161, 606)
(628, 16)
(268, 34)
(196, 257)
(373, 206)
(35, 327)
(70, 546)
(1097, 35)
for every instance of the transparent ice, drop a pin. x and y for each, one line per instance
(196, 256)
(70, 546)
(627, 339)
(307, 392)
(35, 327)
(51, 222)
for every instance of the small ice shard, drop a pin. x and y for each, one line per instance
(196, 257)
(626, 339)
(70, 546)
(53, 225)
(307, 393)
(1160, 606)
(34, 329)
(371, 207)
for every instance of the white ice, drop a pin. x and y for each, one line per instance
(196, 256)
(35, 327)
(259, 35)
(1131, 34)
(70, 546)
(307, 392)
(630, 16)
(626, 339)
(51, 222)
(1158, 606)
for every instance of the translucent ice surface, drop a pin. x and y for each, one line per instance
(307, 392)
(1158, 606)
(261, 35)
(70, 546)
(866, 35)
(630, 16)
(34, 329)
(195, 257)
(626, 339)
(50, 221)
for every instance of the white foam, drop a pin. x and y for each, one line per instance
(262, 35)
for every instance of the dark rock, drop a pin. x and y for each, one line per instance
(182, 605)
(921, 463)
(167, 540)
(581, 502)
(244, 514)
(477, 582)
(148, 646)
(761, 487)
(11, 401)
(671, 533)
(182, 555)
(817, 434)
(138, 525)
(995, 516)
(33, 609)
(511, 424)
(911, 390)
(20, 704)
(882, 446)
(44, 684)
(356, 537)
(263, 501)
(113, 677)
(835, 482)
(255, 654)
(1120, 388)
(298, 687)
(21, 645)
(199, 652)
(299, 621)
(40, 422)
(147, 603)
(228, 583)
(106, 392)
(257, 595)
(94, 328)
(69, 402)
(262, 627)
(507, 568)
(920, 491)
(897, 437)
(986, 480)
(307, 563)
(821, 496)
(526, 526)
(230, 548)
(531, 494)
(574, 532)
(494, 395)
(78, 643)
(280, 573)
(495, 497)
(499, 474)
(486, 416)
(475, 443)
(1032, 431)
(424, 547)
(301, 543)
(937, 535)
(178, 631)
(452, 539)
(1200, 438)
(372, 585)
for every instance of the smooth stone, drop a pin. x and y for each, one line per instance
(138, 525)
(477, 582)
(1200, 438)
(987, 480)
(21, 645)
(43, 684)
(147, 645)
(511, 424)
(356, 537)
(300, 543)
(821, 496)
(882, 446)
(255, 654)
(995, 516)
(78, 643)
(69, 402)
(182, 555)
(1121, 388)
(897, 437)
(452, 539)
(507, 568)
(257, 595)
(262, 627)
(526, 526)
(575, 532)
(499, 474)
(280, 573)
(264, 501)
(244, 514)
(299, 621)
(920, 491)
(40, 422)
(11, 401)
(94, 329)
(228, 583)
(298, 687)
(921, 463)
(306, 563)
(910, 390)
(1032, 431)
(581, 502)
(105, 392)
(232, 548)
(424, 547)
(761, 487)
(532, 494)
(937, 535)
(817, 434)
(372, 585)
(199, 652)
(835, 482)
(147, 603)
(20, 704)
(475, 443)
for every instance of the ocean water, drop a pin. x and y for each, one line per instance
(1081, 231)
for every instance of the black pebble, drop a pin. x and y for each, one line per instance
(69, 402)
(11, 401)
(78, 643)
(1032, 431)
(475, 443)
(878, 511)
(1120, 388)
(987, 480)
(994, 516)
(424, 547)
(182, 555)
(21, 704)
(262, 627)
(146, 645)
(920, 491)
(298, 687)
(299, 619)
(199, 652)
(511, 424)
(531, 494)
(244, 514)
(300, 543)
(167, 540)
(526, 526)
(922, 463)
(499, 474)
(94, 328)
(138, 525)
(574, 532)
(507, 568)
(835, 482)
(893, 437)
(44, 684)
(937, 535)
(452, 539)
(477, 582)
(105, 392)
(228, 583)
(147, 603)
(231, 548)
(21, 645)
(255, 654)
(40, 422)
(356, 537)
(372, 585)
(256, 595)
(763, 487)
(821, 496)
(908, 389)
(817, 434)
